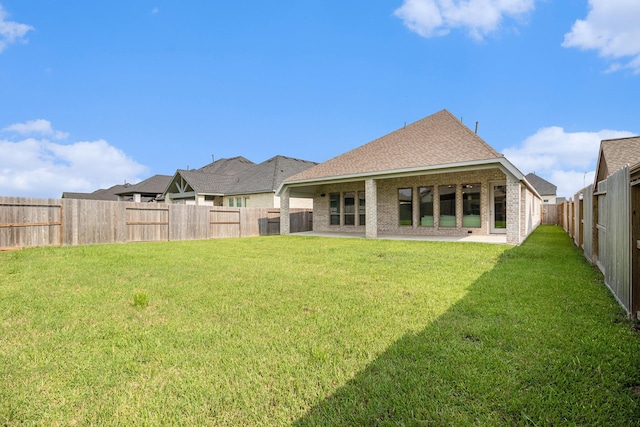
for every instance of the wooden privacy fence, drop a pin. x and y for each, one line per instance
(45, 222)
(603, 221)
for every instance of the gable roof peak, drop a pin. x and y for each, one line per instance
(438, 139)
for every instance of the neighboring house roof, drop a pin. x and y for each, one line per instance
(248, 179)
(267, 176)
(154, 185)
(544, 187)
(101, 194)
(231, 166)
(439, 139)
(616, 153)
(204, 183)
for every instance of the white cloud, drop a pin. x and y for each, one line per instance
(11, 32)
(37, 167)
(611, 27)
(560, 157)
(431, 18)
(36, 127)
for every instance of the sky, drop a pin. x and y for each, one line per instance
(94, 94)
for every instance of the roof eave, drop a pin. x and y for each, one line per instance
(501, 162)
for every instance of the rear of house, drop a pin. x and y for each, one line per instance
(434, 177)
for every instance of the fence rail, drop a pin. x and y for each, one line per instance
(28, 222)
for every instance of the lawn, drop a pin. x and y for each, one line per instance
(314, 331)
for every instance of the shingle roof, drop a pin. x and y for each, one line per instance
(542, 186)
(231, 166)
(439, 139)
(260, 178)
(206, 183)
(267, 176)
(101, 194)
(154, 185)
(620, 152)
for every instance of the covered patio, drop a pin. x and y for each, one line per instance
(499, 239)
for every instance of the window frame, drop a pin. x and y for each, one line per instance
(402, 220)
(445, 204)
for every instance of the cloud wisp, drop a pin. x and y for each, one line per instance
(11, 32)
(432, 18)
(33, 166)
(567, 159)
(611, 28)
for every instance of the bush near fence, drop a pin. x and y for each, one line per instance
(28, 222)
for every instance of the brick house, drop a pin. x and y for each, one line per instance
(236, 182)
(434, 177)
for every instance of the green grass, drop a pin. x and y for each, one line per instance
(313, 331)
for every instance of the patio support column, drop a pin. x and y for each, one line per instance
(371, 208)
(513, 210)
(284, 211)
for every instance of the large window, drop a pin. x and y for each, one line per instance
(471, 205)
(447, 205)
(426, 206)
(349, 208)
(231, 199)
(334, 208)
(362, 208)
(405, 206)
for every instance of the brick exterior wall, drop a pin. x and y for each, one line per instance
(387, 203)
(514, 211)
(268, 200)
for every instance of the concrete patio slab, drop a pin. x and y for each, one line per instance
(500, 239)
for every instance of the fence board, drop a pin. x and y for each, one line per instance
(617, 262)
(30, 222)
(588, 225)
(44, 222)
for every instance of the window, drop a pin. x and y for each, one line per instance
(239, 202)
(362, 208)
(230, 202)
(405, 206)
(246, 202)
(426, 206)
(334, 208)
(349, 208)
(447, 205)
(471, 205)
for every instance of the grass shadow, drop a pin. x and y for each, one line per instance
(536, 341)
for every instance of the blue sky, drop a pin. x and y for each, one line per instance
(99, 93)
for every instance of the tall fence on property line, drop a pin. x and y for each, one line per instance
(599, 221)
(551, 214)
(28, 222)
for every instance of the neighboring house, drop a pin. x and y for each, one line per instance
(546, 189)
(101, 194)
(433, 177)
(237, 182)
(616, 153)
(148, 190)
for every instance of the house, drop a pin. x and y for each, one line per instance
(546, 189)
(616, 153)
(109, 194)
(236, 182)
(148, 190)
(434, 177)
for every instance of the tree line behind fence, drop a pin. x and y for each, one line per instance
(26, 222)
